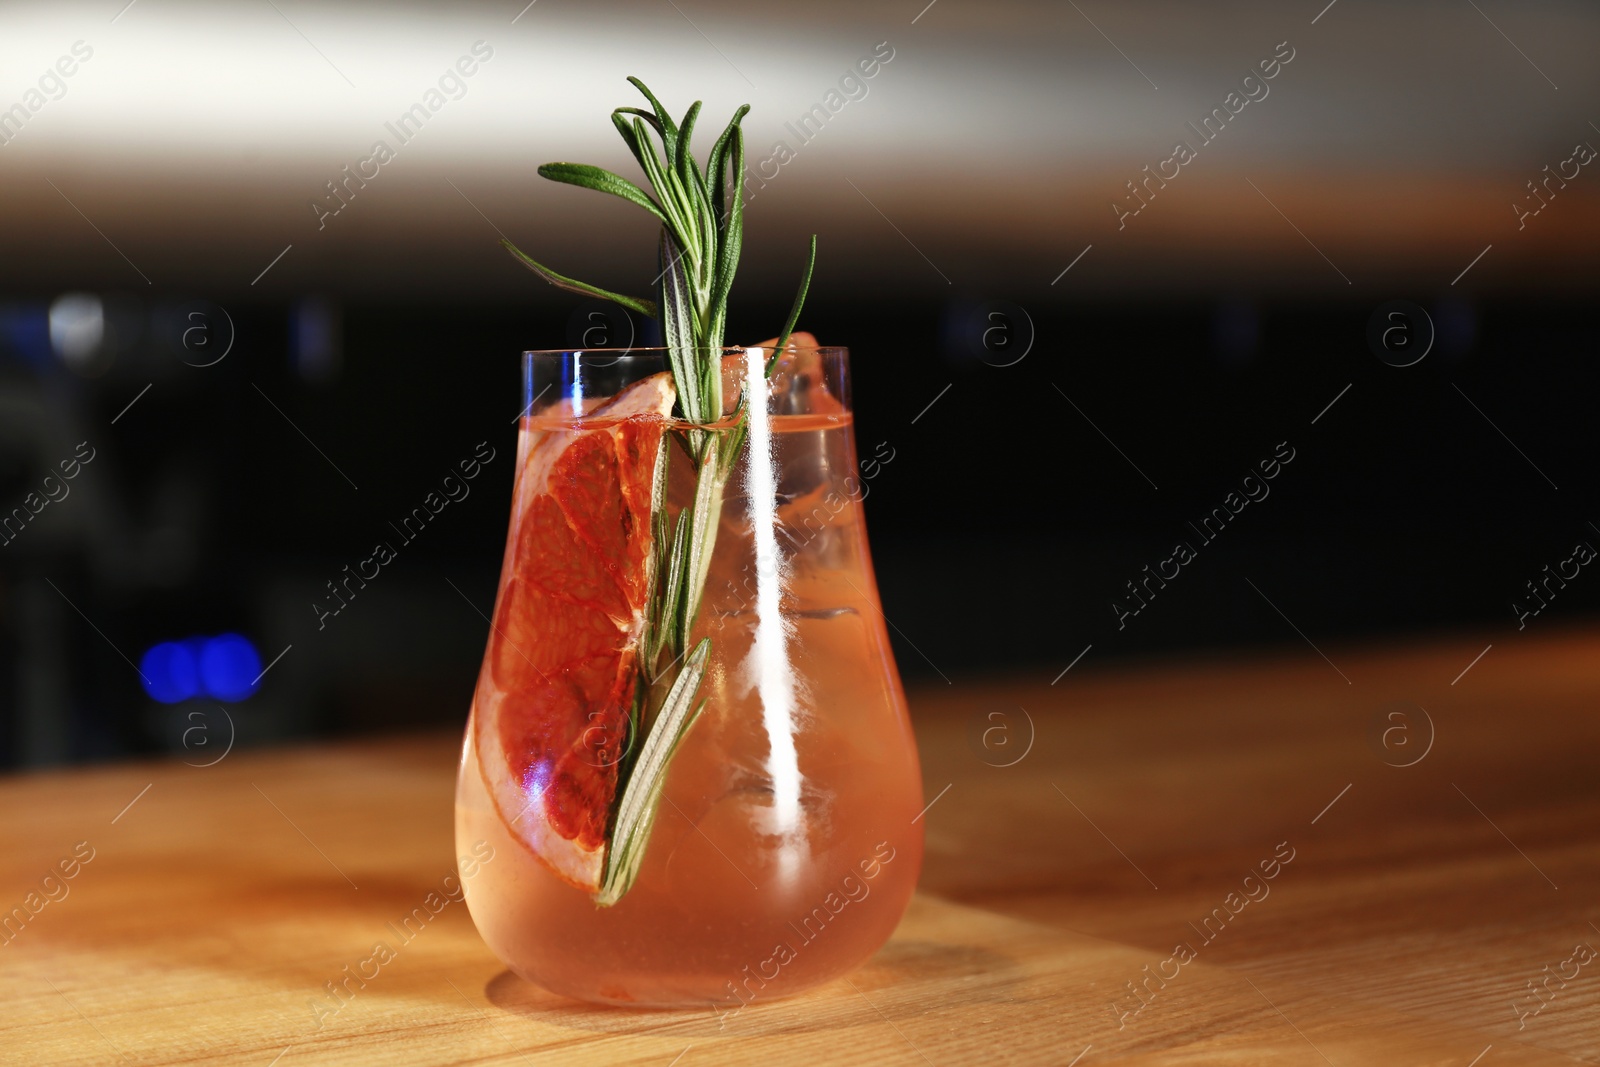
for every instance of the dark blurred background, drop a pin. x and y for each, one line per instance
(248, 387)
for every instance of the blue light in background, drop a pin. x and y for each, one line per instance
(25, 333)
(224, 668)
(229, 667)
(170, 673)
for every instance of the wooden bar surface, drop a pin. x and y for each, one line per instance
(1434, 913)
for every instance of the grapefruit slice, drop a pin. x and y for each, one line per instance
(557, 690)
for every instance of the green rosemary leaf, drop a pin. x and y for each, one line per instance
(648, 116)
(794, 312)
(714, 166)
(733, 440)
(625, 128)
(730, 243)
(632, 303)
(658, 481)
(587, 177)
(668, 625)
(683, 157)
(697, 181)
(706, 226)
(654, 636)
(663, 123)
(642, 797)
(649, 639)
(703, 522)
(732, 444)
(705, 280)
(677, 327)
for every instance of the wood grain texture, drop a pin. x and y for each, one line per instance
(1413, 914)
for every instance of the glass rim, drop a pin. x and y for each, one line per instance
(661, 351)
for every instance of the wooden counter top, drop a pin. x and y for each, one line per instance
(1409, 910)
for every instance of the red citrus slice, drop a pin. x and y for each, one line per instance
(555, 696)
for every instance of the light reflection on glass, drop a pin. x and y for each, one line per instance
(775, 676)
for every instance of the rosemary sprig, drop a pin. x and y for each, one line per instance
(701, 214)
(702, 233)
